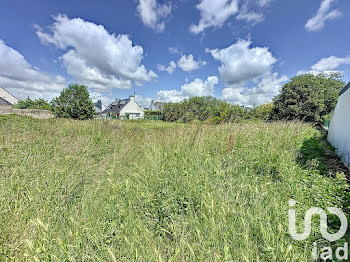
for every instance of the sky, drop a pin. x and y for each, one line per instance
(240, 51)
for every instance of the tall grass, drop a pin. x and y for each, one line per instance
(153, 191)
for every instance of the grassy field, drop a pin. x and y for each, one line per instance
(154, 191)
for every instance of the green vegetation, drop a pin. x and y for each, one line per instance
(207, 109)
(263, 112)
(308, 98)
(154, 191)
(153, 115)
(74, 102)
(33, 104)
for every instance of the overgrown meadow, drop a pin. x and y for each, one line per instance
(153, 191)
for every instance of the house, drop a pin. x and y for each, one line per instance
(248, 108)
(7, 98)
(99, 107)
(126, 108)
(339, 129)
(156, 106)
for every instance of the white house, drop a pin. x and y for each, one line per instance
(156, 106)
(126, 108)
(339, 129)
(7, 98)
(99, 107)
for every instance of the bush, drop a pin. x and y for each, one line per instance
(74, 102)
(308, 97)
(195, 108)
(172, 112)
(33, 104)
(263, 112)
(153, 113)
(207, 109)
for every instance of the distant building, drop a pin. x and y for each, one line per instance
(156, 106)
(99, 107)
(248, 108)
(126, 108)
(6, 98)
(339, 128)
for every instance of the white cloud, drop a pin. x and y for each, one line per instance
(327, 65)
(247, 73)
(250, 16)
(196, 88)
(240, 63)
(330, 63)
(143, 101)
(170, 69)
(263, 90)
(171, 96)
(324, 13)
(23, 80)
(91, 76)
(94, 57)
(106, 100)
(153, 13)
(214, 13)
(174, 50)
(263, 3)
(187, 63)
(200, 88)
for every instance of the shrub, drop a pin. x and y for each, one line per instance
(33, 104)
(74, 102)
(263, 111)
(308, 97)
(153, 113)
(207, 109)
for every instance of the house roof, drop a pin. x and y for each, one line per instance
(4, 102)
(99, 107)
(116, 106)
(158, 105)
(345, 89)
(7, 97)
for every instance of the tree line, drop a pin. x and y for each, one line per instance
(309, 98)
(73, 102)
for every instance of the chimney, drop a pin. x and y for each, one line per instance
(99, 104)
(132, 98)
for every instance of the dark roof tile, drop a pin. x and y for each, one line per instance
(345, 89)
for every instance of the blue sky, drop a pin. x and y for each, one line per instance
(241, 51)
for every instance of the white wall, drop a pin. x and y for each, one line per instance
(132, 108)
(339, 129)
(7, 96)
(152, 107)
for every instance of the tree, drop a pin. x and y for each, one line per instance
(207, 109)
(74, 102)
(33, 104)
(195, 108)
(308, 97)
(172, 112)
(263, 111)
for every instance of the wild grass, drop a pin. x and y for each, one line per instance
(154, 191)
